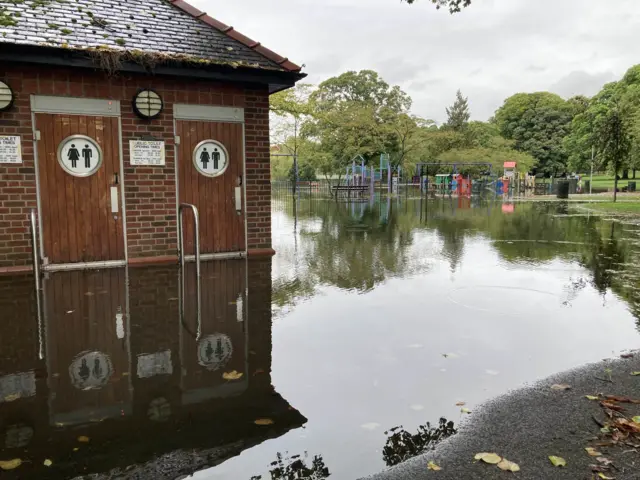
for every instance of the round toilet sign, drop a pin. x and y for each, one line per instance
(214, 351)
(79, 155)
(210, 158)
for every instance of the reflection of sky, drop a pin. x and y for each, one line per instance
(346, 360)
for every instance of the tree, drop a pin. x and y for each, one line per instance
(614, 139)
(538, 123)
(453, 5)
(458, 114)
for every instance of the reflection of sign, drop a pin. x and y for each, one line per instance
(214, 351)
(79, 155)
(210, 158)
(19, 385)
(10, 151)
(394, 185)
(143, 152)
(155, 364)
(90, 370)
(509, 173)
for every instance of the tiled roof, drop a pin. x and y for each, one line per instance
(168, 27)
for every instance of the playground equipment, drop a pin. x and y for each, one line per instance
(454, 182)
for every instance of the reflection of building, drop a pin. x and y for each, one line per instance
(129, 363)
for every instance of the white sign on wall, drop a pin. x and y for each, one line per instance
(10, 151)
(146, 152)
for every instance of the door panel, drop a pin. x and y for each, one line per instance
(77, 223)
(221, 227)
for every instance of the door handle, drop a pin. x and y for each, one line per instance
(114, 200)
(238, 200)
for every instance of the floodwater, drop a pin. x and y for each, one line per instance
(371, 316)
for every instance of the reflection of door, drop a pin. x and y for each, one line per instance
(218, 344)
(77, 212)
(221, 217)
(87, 345)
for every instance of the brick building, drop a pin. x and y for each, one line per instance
(113, 113)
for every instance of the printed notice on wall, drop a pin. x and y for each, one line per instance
(10, 151)
(146, 152)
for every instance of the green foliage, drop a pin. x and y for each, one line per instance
(454, 6)
(538, 123)
(458, 115)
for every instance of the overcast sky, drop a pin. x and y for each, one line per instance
(493, 49)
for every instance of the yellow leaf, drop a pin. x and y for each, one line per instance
(635, 374)
(491, 458)
(232, 375)
(10, 464)
(47, 463)
(591, 397)
(604, 477)
(264, 421)
(83, 439)
(560, 386)
(465, 410)
(11, 398)
(75, 449)
(434, 467)
(593, 452)
(508, 466)
(558, 461)
(636, 419)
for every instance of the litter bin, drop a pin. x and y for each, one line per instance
(563, 189)
(631, 187)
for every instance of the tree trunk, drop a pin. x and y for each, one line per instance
(615, 187)
(634, 173)
(625, 174)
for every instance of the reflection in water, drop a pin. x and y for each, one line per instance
(385, 312)
(402, 445)
(122, 370)
(297, 467)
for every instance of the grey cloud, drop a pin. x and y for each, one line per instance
(490, 51)
(581, 83)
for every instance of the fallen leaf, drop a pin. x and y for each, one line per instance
(558, 461)
(626, 355)
(604, 461)
(635, 374)
(593, 452)
(508, 466)
(490, 458)
(83, 439)
(12, 397)
(75, 449)
(636, 419)
(604, 477)
(263, 421)
(612, 406)
(232, 375)
(10, 464)
(591, 397)
(465, 410)
(47, 463)
(560, 386)
(433, 466)
(461, 404)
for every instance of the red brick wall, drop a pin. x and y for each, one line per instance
(150, 193)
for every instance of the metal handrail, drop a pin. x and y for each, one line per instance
(182, 255)
(35, 252)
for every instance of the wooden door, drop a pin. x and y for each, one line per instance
(78, 224)
(221, 224)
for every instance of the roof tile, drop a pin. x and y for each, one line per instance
(157, 26)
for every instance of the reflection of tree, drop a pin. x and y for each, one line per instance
(296, 468)
(402, 445)
(358, 246)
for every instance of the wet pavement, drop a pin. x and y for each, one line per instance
(370, 317)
